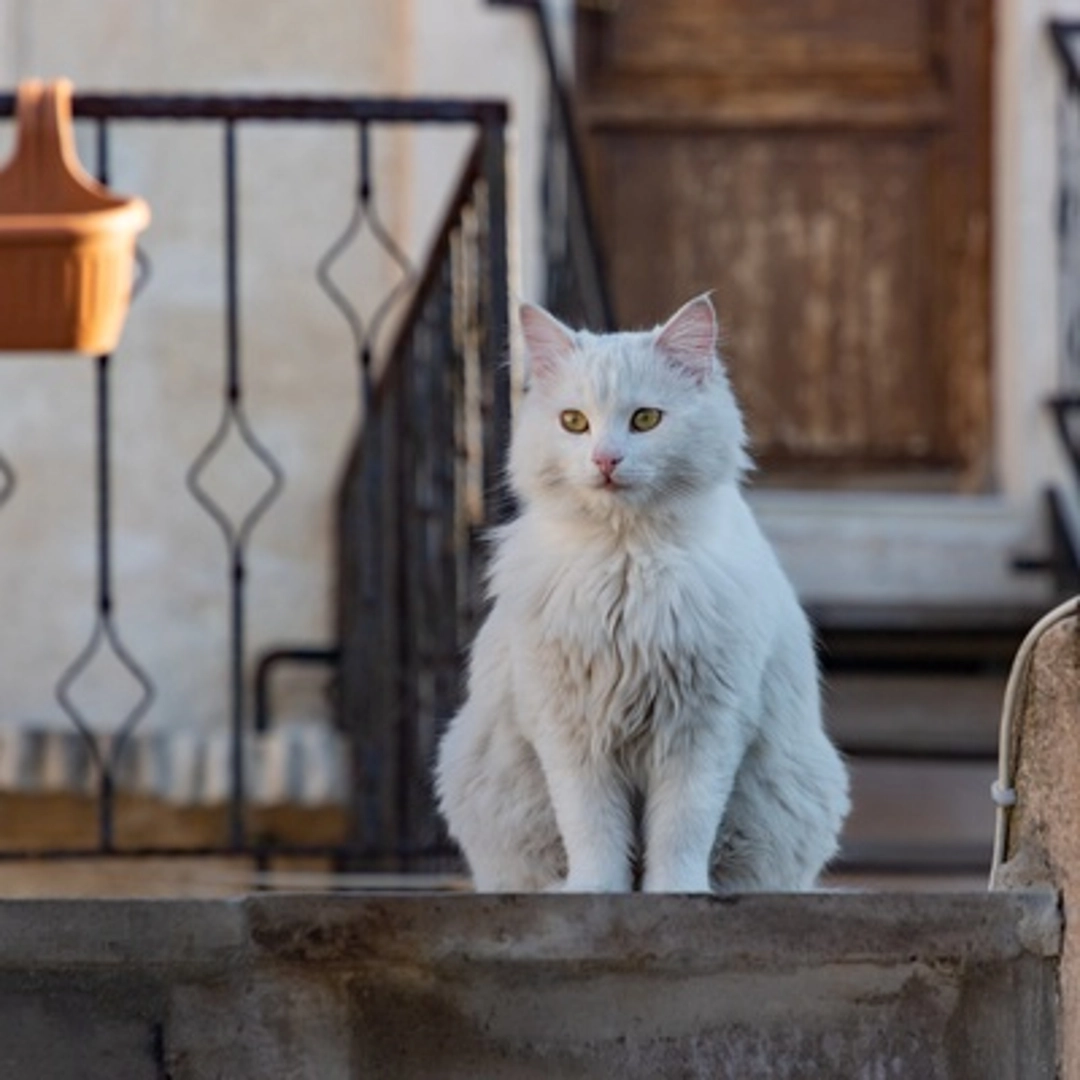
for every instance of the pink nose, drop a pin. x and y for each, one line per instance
(606, 462)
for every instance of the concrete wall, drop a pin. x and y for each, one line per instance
(819, 986)
(1039, 836)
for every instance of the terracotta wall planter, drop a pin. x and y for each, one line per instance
(67, 244)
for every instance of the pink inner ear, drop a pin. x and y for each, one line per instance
(688, 338)
(547, 342)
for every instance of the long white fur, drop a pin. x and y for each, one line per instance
(643, 695)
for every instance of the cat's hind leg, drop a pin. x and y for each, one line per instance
(495, 801)
(783, 819)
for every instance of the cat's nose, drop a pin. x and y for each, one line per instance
(606, 461)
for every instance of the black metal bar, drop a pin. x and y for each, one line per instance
(104, 632)
(237, 537)
(7, 480)
(364, 133)
(1063, 406)
(384, 110)
(104, 471)
(272, 660)
(349, 857)
(437, 252)
(406, 697)
(497, 333)
(106, 600)
(1064, 544)
(232, 315)
(364, 331)
(104, 490)
(1060, 31)
(567, 122)
(104, 541)
(1062, 558)
(238, 569)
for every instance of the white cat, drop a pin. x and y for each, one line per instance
(643, 699)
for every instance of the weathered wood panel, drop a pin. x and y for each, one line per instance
(816, 277)
(823, 167)
(769, 38)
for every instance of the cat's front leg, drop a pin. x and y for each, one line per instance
(592, 809)
(687, 794)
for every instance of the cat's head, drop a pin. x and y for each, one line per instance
(622, 422)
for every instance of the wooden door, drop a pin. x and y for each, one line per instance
(823, 165)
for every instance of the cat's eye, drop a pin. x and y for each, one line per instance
(574, 421)
(645, 419)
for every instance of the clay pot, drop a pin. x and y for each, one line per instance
(67, 244)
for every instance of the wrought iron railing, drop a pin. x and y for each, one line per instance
(575, 285)
(422, 476)
(1062, 557)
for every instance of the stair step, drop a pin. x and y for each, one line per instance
(913, 697)
(916, 715)
(919, 817)
(921, 637)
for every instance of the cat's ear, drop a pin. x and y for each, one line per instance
(689, 338)
(547, 342)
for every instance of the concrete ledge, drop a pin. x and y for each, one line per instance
(826, 985)
(655, 933)
(1042, 835)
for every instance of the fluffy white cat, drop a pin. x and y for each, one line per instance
(643, 704)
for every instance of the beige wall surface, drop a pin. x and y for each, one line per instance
(296, 188)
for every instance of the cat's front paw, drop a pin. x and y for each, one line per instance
(676, 883)
(604, 884)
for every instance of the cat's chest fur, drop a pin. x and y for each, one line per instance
(628, 642)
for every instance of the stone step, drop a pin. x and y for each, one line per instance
(919, 817)
(940, 716)
(522, 988)
(922, 754)
(914, 699)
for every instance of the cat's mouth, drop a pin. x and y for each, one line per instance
(609, 483)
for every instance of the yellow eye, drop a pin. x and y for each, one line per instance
(645, 419)
(574, 421)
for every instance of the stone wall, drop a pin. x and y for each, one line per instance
(856, 986)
